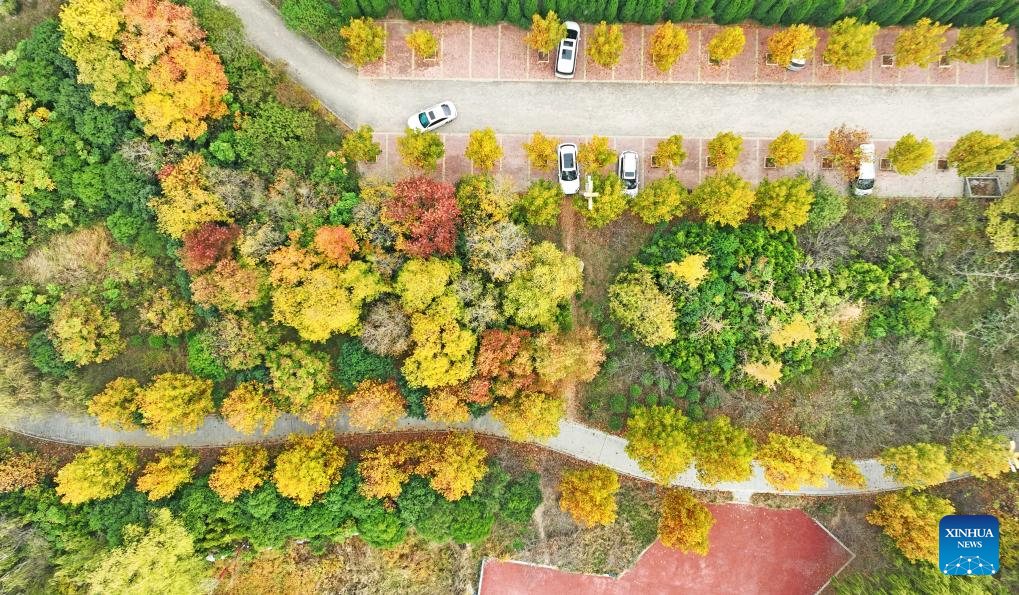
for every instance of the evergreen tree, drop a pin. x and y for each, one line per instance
(610, 10)
(764, 7)
(654, 10)
(920, 10)
(374, 8)
(350, 10)
(946, 10)
(681, 10)
(890, 12)
(728, 12)
(981, 11)
(827, 13)
(704, 9)
(410, 9)
(630, 10)
(800, 11)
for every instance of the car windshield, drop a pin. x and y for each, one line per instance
(423, 118)
(445, 110)
(865, 184)
(630, 183)
(569, 175)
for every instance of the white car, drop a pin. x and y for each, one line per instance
(569, 169)
(434, 117)
(629, 172)
(796, 64)
(863, 185)
(566, 54)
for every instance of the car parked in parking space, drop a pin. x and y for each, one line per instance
(569, 169)
(566, 55)
(628, 168)
(434, 117)
(863, 185)
(796, 64)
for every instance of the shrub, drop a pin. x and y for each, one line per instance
(423, 43)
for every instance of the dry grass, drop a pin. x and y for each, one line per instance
(74, 259)
(30, 14)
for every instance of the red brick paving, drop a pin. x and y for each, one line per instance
(499, 53)
(753, 550)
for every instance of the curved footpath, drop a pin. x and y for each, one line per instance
(574, 440)
(629, 109)
(703, 109)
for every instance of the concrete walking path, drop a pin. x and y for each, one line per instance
(574, 440)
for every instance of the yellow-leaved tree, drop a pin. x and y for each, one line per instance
(530, 415)
(796, 42)
(115, 406)
(95, 473)
(308, 466)
(605, 45)
(685, 522)
(365, 41)
(668, 44)
(174, 404)
(916, 465)
(589, 495)
(726, 44)
(240, 469)
(375, 406)
(659, 441)
(483, 149)
(692, 270)
(248, 407)
(168, 472)
(851, 44)
(792, 461)
(911, 520)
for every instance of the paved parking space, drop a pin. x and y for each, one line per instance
(928, 183)
(499, 52)
(753, 550)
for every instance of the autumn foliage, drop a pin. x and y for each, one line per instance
(375, 405)
(206, 245)
(426, 215)
(589, 495)
(168, 472)
(685, 523)
(453, 465)
(248, 407)
(240, 469)
(95, 474)
(308, 466)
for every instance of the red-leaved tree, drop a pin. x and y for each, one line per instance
(505, 365)
(336, 243)
(206, 245)
(425, 214)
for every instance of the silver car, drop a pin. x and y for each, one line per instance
(628, 169)
(434, 117)
(569, 169)
(566, 55)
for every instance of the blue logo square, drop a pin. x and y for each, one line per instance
(968, 544)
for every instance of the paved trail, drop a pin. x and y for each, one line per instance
(574, 439)
(596, 108)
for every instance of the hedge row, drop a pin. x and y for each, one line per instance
(724, 12)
